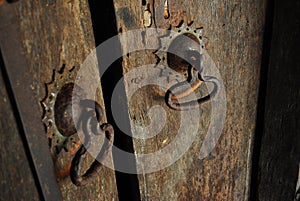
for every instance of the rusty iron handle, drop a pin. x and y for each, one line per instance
(90, 120)
(75, 173)
(171, 98)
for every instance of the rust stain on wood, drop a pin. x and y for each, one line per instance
(233, 37)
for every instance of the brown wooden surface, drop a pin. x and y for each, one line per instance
(56, 35)
(16, 175)
(61, 33)
(234, 40)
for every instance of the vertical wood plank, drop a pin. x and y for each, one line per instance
(17, 181)
(280, 142)
(56, 35)
(233, 31)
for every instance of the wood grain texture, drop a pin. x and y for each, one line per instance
(55, 35)
(280, 142)
(233, 32)
(17, 181)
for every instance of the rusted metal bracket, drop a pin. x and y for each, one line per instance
(182, 51)
(20, 77)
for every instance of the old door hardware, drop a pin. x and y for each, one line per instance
(182, 51)
(64, 104)
(166, 10)
(183, 41)
(57, 104)
(172, 98)
(148, 19)
(91, 115)
(91, 125)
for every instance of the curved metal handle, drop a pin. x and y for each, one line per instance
(82, 179)
(90, 125)
(171, 98)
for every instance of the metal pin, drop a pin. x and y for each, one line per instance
(166, 10)
(147, 20)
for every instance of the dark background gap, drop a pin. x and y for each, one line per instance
(104, 27)
(277, 142)
(267, 38)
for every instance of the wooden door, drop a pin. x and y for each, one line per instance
(53, 38)
(232, 32)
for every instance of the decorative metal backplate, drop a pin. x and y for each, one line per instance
(58, 116)
(68, 112)
(177, 50)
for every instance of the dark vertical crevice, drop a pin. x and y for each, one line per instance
(20, 128)
(267, 39)
(104, 27)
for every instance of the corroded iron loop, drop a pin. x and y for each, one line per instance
(90, 125)
(91, 117)
(171, 98)
(90, 104)
(75, 173)
(87, 118)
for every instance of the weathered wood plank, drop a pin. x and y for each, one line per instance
(280, 141)
(17, 181)
(53, 36)
(233, 32)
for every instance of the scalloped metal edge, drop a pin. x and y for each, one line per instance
(181, 30)
(60, 78)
